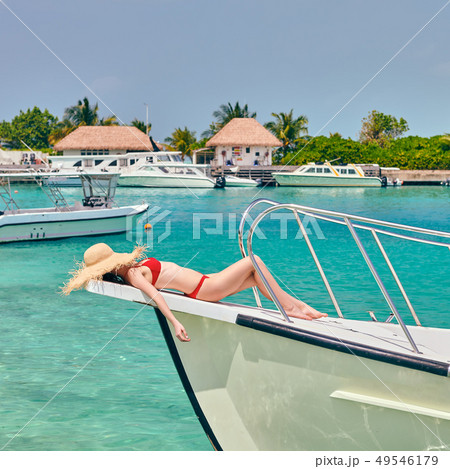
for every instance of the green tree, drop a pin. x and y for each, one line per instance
(82, 113)
(141, 125)
(213, 129)
(226, 112)
(287, 128)
(107, 121)
(445, 140)
(182, 140)
(32, 127)
(381, 128)
(60, 130)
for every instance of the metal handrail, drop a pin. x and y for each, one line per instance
(347, 220)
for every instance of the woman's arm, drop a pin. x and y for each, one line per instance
(136, 279)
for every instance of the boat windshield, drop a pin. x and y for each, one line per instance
(163, 158)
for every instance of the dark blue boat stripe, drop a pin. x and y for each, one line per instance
(353, 348)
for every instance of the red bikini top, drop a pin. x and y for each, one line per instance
(155, 266)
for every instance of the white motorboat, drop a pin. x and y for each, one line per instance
(327, 175)
(96, 214)
(168, 175)
(234, 181)
(139, 169)
(397, 182)
(260, 380)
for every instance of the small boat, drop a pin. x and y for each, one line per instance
(137, 169)
(260, 380)
(327, 175)
(175, 175)
(234, 181)
(394, 182)
(96, 214)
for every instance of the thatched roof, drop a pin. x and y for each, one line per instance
(245, 132)
(99, 137)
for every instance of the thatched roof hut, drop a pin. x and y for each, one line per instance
(243, 142)
(112, 138)
(245, 132)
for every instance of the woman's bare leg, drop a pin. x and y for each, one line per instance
(242, 275)
(293, 306)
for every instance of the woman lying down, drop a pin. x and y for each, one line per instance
(150, 275)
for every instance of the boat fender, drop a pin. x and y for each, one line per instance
(220, 182)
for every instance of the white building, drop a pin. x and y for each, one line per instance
(243, 142)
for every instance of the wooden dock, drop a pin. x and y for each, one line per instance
(263, 173)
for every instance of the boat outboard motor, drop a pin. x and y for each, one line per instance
(220, 182)
(383, 181)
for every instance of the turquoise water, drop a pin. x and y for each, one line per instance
(72, 382)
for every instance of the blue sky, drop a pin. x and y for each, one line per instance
(187, 57)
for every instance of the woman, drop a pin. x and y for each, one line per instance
(151, 275)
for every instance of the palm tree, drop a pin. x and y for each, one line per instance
(141, 125)
(111, 120)
(61, 129)
(226, 112)
(182, 140)
(287, 128)
(82, 113)
(213, 129)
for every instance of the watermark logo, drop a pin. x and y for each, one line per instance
(145, 228)
(154, 226)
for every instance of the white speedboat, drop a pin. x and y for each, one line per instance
(168, 175)
(394, 182)
(139, 169)
(96, 214)
(259, 380)
(327, 175)
(234, 181)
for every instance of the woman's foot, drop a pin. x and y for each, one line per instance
(303, 311)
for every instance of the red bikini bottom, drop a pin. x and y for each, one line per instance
(195, 292)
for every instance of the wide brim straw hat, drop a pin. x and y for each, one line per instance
(100, 259)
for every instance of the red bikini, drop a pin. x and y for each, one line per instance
(195, 292)
(155, 267)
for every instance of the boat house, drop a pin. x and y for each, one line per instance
(243, 142)
(105, 140)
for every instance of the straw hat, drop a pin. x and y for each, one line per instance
(100, 259)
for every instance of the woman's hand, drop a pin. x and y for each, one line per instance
(180, 332)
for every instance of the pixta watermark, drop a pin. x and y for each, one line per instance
(158, 224)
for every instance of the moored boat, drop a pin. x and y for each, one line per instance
(174, 175)
(138, 169)
(327, 175)
(234, 181)
(96, 214)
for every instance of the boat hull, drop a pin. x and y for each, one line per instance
(263, 391)
(52, 224)
(257, 382)
(290, 179)
(71, 181)
(166, 181)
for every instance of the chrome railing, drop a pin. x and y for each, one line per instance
(353, 223)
